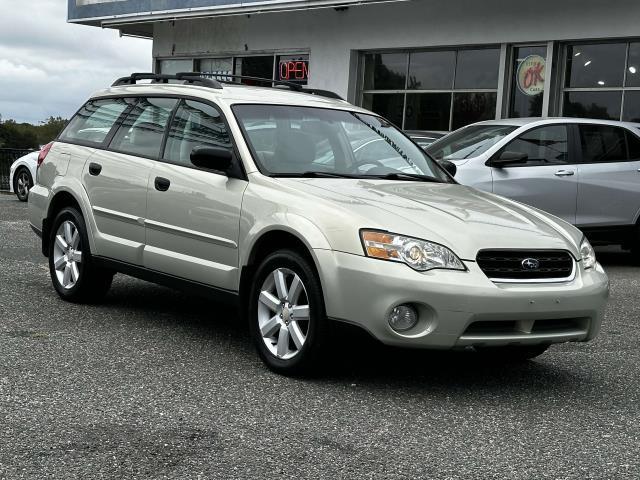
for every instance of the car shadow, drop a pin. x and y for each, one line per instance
(355, 357)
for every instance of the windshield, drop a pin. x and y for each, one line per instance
(303, 141)
(469, 142)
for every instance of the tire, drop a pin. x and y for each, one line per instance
(512, 354)
(288, 340)
(74, 275)
(22, 183)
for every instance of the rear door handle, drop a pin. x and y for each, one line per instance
(564, 173)
(95, 169)
(162, 184)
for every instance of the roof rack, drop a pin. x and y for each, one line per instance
(187, 77)
(205, 80)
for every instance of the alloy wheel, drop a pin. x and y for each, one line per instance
(67, 255)
(283, 313)
(23, 184)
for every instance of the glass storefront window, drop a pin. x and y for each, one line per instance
(595, 65)
(527, 81)
(385, 71)
(633, 66)
(602, 80)
(259, 66)
(428, 111)
(216, 67)
(171, 67)
(631, 106)
(600, 105)
(444, 89)
(471, 107)
(387, 105)
(477, 68)
(431, 70)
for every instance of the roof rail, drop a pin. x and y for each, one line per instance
(296, 87)
(187, 77)
(206, 80)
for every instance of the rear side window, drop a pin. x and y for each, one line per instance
(542, 145)
(92, 123)
(633, 142)
(142, 131)
(195, 124)
(603, 143)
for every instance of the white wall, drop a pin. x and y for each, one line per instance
(331, 36)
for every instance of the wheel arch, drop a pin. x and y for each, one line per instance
(61, 199)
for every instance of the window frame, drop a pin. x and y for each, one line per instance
(571, 147)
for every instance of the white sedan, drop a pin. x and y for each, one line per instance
(22, 175)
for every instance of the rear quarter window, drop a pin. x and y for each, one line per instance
(94, 121)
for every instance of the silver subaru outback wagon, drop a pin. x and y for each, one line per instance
(303, 209)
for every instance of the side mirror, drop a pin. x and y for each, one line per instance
(507, 158)
(450, 167)
(212, 158)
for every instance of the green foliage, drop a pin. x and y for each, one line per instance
(25, 135)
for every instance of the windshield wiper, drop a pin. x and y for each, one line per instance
(312, 174)
(407, 176)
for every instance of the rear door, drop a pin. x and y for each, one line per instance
(116, 179)
(608, 176)
(193, 214)
(547, 179)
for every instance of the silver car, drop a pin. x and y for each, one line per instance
(586, 172)
(303, 210)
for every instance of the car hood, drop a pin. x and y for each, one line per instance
(464, 219)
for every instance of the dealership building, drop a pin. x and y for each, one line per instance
(423, 64)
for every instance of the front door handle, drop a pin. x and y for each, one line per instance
(564, 173)
(162, 184)
(95, 169)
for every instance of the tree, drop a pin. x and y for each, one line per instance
(26, 135)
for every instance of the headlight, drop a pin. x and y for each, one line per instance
(418, 254)
(588, 254)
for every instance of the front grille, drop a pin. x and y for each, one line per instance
(524, 265)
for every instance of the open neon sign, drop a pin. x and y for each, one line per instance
(294, 70)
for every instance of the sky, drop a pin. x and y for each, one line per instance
(49, 67)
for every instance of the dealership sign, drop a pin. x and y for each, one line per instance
(531, 75)
(115, 11)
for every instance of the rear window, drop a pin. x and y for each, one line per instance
(92, 123)
(469, 141)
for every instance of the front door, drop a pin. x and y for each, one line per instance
(193, 215)
(545, 178)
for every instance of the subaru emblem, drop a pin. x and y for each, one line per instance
(530, 264)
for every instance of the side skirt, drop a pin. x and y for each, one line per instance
(218, 294)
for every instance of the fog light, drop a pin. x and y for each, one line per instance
(403, 318)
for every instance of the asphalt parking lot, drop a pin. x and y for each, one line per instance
(157, 384)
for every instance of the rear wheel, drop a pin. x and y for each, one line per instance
(74, 275)
(22, 184)
(286, 313)
(511, 353)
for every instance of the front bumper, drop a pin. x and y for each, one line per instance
(458, 309)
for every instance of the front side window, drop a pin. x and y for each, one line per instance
(543, 146)
(92, 123)
(142, 131)
(602, 143)
(469, 142)
(300, 141)
(194, 125)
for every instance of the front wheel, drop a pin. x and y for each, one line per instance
(74, 275)
(286, 313)
(512, 353)
(22, 184)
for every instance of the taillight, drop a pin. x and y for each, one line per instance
(44, 152)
